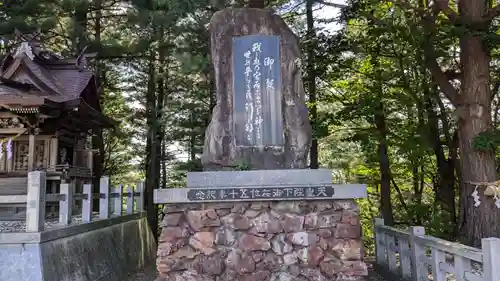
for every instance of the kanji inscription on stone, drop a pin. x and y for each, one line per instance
(257, 93)
(260, 193)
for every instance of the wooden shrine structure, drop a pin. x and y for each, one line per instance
(49, 107)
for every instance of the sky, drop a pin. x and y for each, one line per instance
(328, 12)
(321, 11)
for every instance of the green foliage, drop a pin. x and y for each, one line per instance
(373, 89)
(242, 166)
(487, 141)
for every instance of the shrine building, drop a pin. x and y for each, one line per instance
(49, 109)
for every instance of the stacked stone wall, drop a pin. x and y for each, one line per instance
(277, 241)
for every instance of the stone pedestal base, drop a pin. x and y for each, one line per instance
(273, 241)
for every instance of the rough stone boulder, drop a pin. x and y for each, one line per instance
(220, 150)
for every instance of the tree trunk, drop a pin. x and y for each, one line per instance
(385, 174)
(474, 111)
(445, 180)
(97, 138)
(311, 83)
(260, 4)
(151, 153)
(381, 126)
(160, 131)
(80, 26)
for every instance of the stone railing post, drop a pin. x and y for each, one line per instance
(418, 270)
(405, 257)
(380, 247)
(139, 203)
(118, 200)
(130, 199)
(491, 258)
(390, 245)
(35, 202)
(87, 203)
(66, 203)
(104, 198)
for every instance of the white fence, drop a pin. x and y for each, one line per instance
(36, 198)
(412, 255)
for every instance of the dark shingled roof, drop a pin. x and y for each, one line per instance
(73, 82)
(66, 81)
(52, 80)
(52, 73)
(13, 96)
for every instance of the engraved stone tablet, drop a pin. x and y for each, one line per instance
(260, 193)
(260, 119)
(257, 97)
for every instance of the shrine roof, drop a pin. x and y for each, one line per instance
(47, 71)
(60, 79)
(18, 96)
(30, 100)
(36, 79)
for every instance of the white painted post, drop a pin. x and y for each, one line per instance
(104, 198)
(404, 258)
(139, 203)
(437, 257)
(35, 202)
(130, 199)
(118, 200)
(491, 258)
(379, 243)
(87, 203)
(462, 265)
(418, 270)
(390, 245)
(66, 204)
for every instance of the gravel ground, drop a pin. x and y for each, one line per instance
(148, 274)
(20, 226)
(372, 274)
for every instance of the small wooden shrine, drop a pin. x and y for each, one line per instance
(49, 108)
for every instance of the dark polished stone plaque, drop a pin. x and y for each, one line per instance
(257, 104)
(260, 193)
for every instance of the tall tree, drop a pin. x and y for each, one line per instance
(469, 21)
(261, 4)
(311, 81)
(473, 106)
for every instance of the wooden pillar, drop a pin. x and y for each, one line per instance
(46, 153)
(53, 189)
(3, 159)
(75, 152)
(10, 162)
(31, 152)
(90, 158)
(54, 152)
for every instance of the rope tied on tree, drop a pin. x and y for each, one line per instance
(492, 189)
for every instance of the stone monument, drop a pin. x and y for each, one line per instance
(278, 221)
(260, 119)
